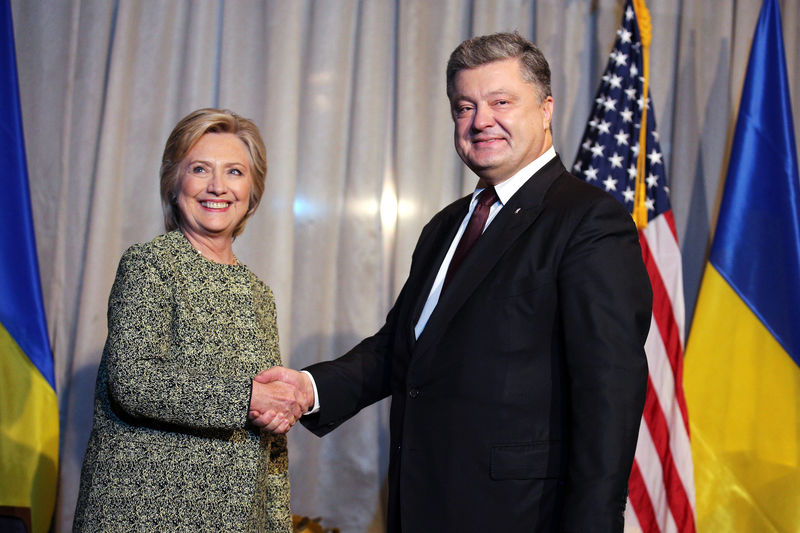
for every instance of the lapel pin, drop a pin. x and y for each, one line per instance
(517, 211)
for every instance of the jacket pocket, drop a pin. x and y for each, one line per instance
(533, 460)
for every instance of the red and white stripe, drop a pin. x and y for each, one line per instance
(661, 495)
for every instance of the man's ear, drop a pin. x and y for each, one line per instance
(547, 111)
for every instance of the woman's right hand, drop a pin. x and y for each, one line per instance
(276, 405)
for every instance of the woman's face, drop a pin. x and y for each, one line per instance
(215, 181)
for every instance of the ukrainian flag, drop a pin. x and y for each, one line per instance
(742, 366)
(28, 404)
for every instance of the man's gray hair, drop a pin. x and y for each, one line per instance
(498, 46)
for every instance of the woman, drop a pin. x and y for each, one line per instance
(188, 327)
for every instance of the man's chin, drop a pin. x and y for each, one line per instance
(488, 174)
(482, 163)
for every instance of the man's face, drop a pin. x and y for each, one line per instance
(500, 126)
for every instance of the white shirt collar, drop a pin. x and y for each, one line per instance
(507, 188)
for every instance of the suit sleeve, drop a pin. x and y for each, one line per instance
(143, 380)
(355, 380)
(606, 299)
(363, 376)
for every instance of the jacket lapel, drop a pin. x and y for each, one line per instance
(516, 216)
(431, 254)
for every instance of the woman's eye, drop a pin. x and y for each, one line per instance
(197, 169)
(236, 171)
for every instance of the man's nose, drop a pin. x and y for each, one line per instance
(483, 118)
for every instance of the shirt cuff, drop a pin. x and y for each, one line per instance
(315, 408)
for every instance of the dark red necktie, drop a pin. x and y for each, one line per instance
(477, 221)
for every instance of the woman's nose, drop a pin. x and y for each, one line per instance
(217, 184)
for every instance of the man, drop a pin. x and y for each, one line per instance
(517, 377)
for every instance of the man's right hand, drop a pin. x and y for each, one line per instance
(289, 394)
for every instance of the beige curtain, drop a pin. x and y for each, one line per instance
(350, 98)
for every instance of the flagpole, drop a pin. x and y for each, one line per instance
(646, 34)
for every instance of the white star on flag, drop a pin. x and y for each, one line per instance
(628, 194)
(629, 13)
(654, 157)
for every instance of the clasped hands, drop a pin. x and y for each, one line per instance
(279, 397)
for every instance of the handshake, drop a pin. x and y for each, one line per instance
(279, 397)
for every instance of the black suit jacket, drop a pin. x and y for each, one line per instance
(518, 407)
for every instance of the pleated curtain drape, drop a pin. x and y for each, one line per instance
(350, 98)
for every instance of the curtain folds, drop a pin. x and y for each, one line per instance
(350, 98)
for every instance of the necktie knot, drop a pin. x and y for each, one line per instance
(487, 197)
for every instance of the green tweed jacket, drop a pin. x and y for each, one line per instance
(171, 448)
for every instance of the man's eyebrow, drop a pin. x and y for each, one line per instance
(497, 92)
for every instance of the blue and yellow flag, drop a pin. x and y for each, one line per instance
(742, 367)
(28, 404)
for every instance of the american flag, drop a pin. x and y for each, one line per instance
(661, 486)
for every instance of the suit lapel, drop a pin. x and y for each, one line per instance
(516, 216)
(432, 254)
